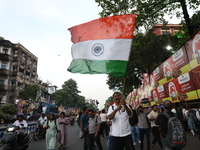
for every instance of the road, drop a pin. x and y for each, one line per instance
(74, 143)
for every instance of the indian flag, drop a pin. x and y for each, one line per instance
(102, 46)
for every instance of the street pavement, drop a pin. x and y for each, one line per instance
(74, 143)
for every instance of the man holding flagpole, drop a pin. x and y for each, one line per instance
(120, 113)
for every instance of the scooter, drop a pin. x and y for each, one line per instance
(39, 132)
(9, 140)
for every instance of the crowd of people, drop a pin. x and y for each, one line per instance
(123, 126)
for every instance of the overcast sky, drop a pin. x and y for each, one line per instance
(41, 26)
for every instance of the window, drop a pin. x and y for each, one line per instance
(3, 66)
(5, 51)
(1, 81)
(165, 32)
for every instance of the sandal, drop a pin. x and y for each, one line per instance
(63, 147)
(60, 147)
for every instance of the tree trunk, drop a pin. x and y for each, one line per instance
(186, 17)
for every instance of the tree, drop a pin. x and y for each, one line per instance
(108, 101)
(30, 92)
(7, 111)
(148, 51)
(151, 11)
(2, 38)
(70, 86)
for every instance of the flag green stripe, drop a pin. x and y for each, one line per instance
(116, 68)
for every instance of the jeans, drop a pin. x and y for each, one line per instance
(156, 136)
(110, 143)
(91, 140)
(166, 145)
(121, 142)
(85, 143)
(142, 133)
(104, 127)
(135, 133)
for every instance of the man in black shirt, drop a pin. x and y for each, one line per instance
(162, 121)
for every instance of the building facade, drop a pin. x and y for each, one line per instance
(18, 68)
(161, 29)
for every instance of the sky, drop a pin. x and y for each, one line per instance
(42, 27)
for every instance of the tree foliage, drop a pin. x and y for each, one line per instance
(7, 111)
(69, 96)
(151, 11)
(30, 92)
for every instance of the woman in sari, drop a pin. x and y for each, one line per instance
(52, 128)
(63, 135)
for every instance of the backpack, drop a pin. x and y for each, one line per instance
(176, 135)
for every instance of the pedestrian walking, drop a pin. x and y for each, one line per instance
(120, 113)
(162, 121)
(63, 135)
(154, 128)
(78, 123)
(143, 125)
(198, 120)
(52, 128)
(104, 126)
(134, 127)
(191, 121)
(94, 130)
(84, 126)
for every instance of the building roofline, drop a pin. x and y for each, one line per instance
(24, 48)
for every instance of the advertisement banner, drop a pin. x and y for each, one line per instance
(193, 51)
(196, 76)
(182, 88)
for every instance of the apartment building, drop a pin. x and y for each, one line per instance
(18, 68)
(161, 29)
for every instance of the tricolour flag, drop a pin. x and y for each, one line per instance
(102, 46)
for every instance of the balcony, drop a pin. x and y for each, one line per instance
(3, 87)
(4, 72)
(5, 57)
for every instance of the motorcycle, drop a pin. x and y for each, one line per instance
(39, 132)
(9, 140)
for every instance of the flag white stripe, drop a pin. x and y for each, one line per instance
(113, 49)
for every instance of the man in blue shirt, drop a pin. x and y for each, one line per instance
(84, 126)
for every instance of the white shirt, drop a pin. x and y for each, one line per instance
(120, 123)
(153, 115)
(21, 124)
(173, 110)
(197, 114)
(42, 120)
(103, 117)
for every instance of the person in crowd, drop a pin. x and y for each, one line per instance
(134, 128)
(22, 124)
(198, 119)
(84, 126)
(120, 113)
(179, 113)
(42, 119)
(162, 121)
(191, 121)
(154, 128)
(78, 123)
(63, 137)
(143, 125)
(110, 142)
(173, 109)
(184, 110)
(104, 126)
(94, 130)
(52, 127)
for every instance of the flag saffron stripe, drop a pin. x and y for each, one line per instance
(120, 26)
